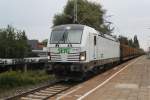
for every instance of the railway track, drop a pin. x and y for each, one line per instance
(43, 93)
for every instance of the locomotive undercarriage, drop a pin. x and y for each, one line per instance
(68, 71)
(79, 71)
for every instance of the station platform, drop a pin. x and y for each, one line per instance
(125, 82)
(133, 83)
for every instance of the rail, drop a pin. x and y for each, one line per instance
(43, 93)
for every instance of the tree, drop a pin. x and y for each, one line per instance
(90, 14)
(13, 43)
(136, 42)
(131, 42)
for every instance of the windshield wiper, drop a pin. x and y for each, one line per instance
(68, 40)
(61, 39)
(64, 38)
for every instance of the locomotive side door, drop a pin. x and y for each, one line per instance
(95, 46)
(92, 46)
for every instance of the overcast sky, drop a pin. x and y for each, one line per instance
(129, 17)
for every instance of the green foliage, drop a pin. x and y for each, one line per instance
(13, 79)
(13, 43)
(136, 42)
(90, 14)
(131, 42)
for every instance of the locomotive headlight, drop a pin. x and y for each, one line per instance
(82, 56)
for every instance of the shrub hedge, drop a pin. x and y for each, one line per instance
(14, 79)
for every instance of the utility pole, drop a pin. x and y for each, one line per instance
(75, 12)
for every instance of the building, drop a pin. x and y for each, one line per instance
(37, 48)
(33, 44)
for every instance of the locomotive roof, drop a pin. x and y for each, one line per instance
(72, 26)
(81, 27)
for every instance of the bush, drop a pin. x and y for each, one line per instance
(9, 80)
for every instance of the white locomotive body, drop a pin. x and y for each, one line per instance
(75, 49)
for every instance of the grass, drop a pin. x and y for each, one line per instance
(14, 79)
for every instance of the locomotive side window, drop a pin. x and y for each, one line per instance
(95, 40)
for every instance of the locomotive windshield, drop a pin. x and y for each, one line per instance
(66, 36)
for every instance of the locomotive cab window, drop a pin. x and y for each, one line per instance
(66, 36)
(95, 40)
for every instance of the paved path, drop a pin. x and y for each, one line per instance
(133, 83)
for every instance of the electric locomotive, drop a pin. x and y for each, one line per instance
(76, 49)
